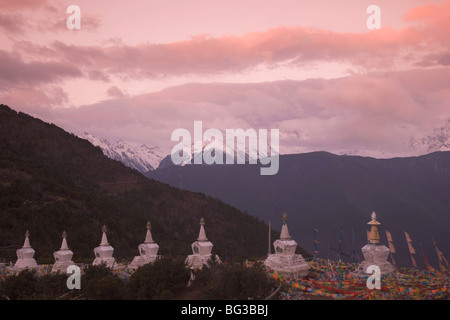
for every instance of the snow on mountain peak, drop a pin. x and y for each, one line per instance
(142, 158)
(439, 140)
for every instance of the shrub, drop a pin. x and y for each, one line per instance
(20, 286)
(164, 279)
(228, 282)
(99, 283)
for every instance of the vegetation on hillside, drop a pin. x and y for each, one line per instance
(167, 278)
(52, 181)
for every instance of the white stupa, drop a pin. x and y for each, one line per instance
(374, 253)
(148, 251)
(104, 252)
(63, 257)
(285, 261)
(25, 255)
(201, 249)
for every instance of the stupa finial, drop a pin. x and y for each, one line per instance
(104, 238)
(148, 236)
(373, 236)
(374, 219)
(202, 233)
(374, 216)
(26, 243)
(284, 229)
(64, 241)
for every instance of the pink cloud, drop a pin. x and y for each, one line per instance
(236, 54)
(22, 4)
(373, 112)
(429, 14)
(378, 107)
(37, 101)
(432, 20)
(15, 71)
(12, 23)
(26, 17)
(115, 92)
(204, 56)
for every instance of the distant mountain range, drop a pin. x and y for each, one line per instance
(333, 193)
(325, 191)
(439, 140)
(141, 158)
(144, 158)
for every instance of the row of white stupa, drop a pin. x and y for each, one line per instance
(148, 253)
(285, 261)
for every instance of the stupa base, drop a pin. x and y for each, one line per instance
(109, 262)
(293, 266)
(139, 261)
(385, 268)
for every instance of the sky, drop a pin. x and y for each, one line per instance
(138, 70)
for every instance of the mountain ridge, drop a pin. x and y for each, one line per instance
(146, 159)
(53, 181)
(333, 192)
(142, 158)
(439, 140)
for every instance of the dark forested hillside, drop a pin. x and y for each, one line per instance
(51, 181)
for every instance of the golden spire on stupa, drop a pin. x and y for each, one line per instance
(374, 237)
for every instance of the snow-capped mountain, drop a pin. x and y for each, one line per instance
(141, 158)
(146, 158)
(439, 140)
(436, 140)
(240, 153)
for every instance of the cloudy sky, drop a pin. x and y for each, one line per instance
(312, 69)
